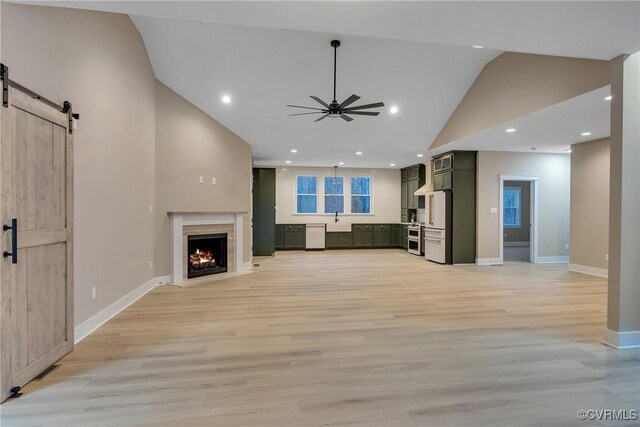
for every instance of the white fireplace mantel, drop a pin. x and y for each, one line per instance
(181, 219)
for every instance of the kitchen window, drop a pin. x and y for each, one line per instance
(360, 195)
(333, 194)
(511, 207)
(307, 195)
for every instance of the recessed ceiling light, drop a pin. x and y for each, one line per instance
(393, 109)
(359, 153)
(585, 133)
(510, 130)
(392, 164)
(420, 155)
(341, 163)
(568, 150)
(226, 99)
(478, 46)
(288, 161)
(608, 98)
(293, 150)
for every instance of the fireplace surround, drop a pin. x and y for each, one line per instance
(194, 224)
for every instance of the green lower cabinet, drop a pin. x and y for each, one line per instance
(381, 235)
(362, 235)
(295, 236)
(279, 236)
(395, 235)
(338, 240)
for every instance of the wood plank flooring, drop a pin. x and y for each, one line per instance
(347, 338)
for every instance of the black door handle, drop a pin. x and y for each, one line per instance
(14, 241)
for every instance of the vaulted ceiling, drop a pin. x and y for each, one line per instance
(416, 55)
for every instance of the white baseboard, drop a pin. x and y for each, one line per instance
(488, 261)
(553, 260)
(621, 340)
(510, 244)
(247, 265)
(594, 271)
(88, 326)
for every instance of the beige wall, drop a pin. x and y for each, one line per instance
(515, 84)
(97, 61)
(523, 233)
(623, 314)
(553, 171)
(385, 195)
(191, 144)
(590, 204)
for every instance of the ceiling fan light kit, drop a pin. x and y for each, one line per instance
(335, 109)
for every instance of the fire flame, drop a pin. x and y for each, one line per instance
(201, 259)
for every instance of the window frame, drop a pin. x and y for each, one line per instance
(325, 195)
(351, 178)
(518, 208)
(295, 189)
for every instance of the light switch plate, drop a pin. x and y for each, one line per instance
(494, 210)
(93, 293)
(214, 181)
(201, 180)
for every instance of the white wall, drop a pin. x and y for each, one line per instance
(385, 195)
(553, 171)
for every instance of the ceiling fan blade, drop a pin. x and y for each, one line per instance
(350, 100)
(346, 118)
(363, 113)
(362, 107)
(303, 114)
(322, 118)
(318, 100)
(300, 106)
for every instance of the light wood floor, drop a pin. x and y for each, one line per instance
(366, 338)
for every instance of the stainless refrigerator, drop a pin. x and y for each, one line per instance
(437, 235)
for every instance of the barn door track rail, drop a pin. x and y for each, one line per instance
(65, 108)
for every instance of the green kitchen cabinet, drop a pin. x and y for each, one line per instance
(411, 179)
(395, 235)
(279, 236)
(455, 171)
(404, 199)
(338, 240)
(362, 235)
(264, 211)
(295, 236)
(381, 235)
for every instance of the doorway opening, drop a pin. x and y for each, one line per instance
(518, 218)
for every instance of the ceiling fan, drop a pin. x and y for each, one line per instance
(334, 109)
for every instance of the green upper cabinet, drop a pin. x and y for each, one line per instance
(456, 171)
(411, 179)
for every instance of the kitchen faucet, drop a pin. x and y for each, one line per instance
(336, 216)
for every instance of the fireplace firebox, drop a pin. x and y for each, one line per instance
(206, 254)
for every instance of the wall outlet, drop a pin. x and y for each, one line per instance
(214, 181)
(201, 180)
(494, 210)
(93, 293)
(606, 257)
(566, 246)
(150, 265)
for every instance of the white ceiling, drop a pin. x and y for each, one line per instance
(550, 130)
(265, 69)
(417, 55)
